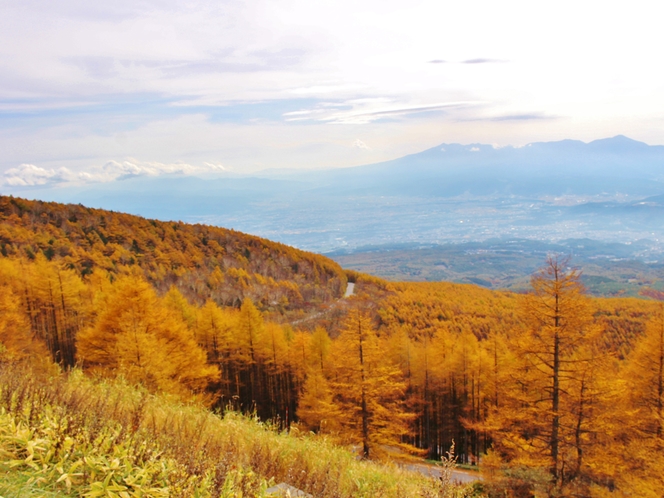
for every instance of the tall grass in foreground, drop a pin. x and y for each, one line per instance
(67, 435)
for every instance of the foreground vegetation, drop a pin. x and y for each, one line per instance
(68, 435)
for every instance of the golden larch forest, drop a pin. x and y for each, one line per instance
(550, 392)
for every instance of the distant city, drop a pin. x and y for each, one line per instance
(361, 222)
(610, 191)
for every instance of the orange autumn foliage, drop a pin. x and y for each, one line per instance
(138, 337)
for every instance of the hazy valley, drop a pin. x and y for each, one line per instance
(609, 269)
(453, 198)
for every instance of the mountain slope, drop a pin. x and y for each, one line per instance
(204, 262)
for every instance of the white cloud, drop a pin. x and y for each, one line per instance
(363, 111)
(368, 115)
(361, 145)
(28, 175)
(215, 167)
(114, 170)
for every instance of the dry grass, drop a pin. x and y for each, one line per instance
(68, 435)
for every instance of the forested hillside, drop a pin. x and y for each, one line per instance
(564, 392)
(552, 392)
(203, 262)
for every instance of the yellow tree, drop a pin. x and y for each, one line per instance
(299, 356)
(52, 297)
(320, 347)
(16, 340)
(645, 377)
(469, 363)
(549, 401)
(213, 331)
(139, 337)
(400, 348)
(641, 434)
(276, 388)
(247, 341)
(316, 408)
(178, 303)
(248, 332)
(368, 390)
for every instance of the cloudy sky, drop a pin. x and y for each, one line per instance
(95, 91)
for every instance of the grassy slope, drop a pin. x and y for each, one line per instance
(67, 435)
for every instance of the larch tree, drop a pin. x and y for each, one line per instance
(546, 406)
(316, 408)
(249, 330)
(178, 303)
(247, 340)
(140, 338)
(368, 390)
(320, 348)
(53, 297)
(276, 375)
(644, 374)
(642, 434)
(299, 356)
(213, 332)
(16, 340)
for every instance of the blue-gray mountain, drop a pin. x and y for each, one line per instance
(607, 190)
(612, 166)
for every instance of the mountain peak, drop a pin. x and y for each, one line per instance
(618, 143)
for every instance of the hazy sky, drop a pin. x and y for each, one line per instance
(90, 91)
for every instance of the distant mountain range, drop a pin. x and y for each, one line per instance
(608, 166)
(610, 190)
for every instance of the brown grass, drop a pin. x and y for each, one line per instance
(175, 448)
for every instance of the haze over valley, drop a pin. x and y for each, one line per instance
(608, 192)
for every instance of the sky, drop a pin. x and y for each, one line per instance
(99, 91)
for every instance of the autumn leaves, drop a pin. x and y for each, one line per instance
(357, 394)
(138, 336)
(564, 392)
(204, 262)
(572, 406)
(119, 326)
(544, 418)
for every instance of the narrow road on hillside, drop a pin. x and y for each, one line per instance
(350, 291)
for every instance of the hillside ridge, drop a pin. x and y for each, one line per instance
(202, 261)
